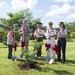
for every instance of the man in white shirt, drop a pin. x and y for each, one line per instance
(39, 34)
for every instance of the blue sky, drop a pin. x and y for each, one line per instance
(48, 10)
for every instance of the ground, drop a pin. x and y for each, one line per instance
(8, 67)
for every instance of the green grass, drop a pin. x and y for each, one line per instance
(8, 67)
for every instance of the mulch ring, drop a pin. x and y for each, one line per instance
(29, 65)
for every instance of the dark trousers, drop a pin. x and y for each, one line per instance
(62, 46)
(10, 51)
(39, 51)
(26, 42)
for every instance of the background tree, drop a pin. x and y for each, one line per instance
(16, 19)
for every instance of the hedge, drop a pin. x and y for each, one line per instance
(72, 34)
(3, 35)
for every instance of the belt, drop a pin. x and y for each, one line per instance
(61, 38)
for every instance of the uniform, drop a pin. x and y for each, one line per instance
(61, 43)
(10, 42)
(51, 32)
(39, 38)
(25, 31)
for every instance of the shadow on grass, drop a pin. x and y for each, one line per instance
(42, 58)
(62, 72)
(23, 60)
(70, 62)
(67, 61)
(47, 69)
(58, 72)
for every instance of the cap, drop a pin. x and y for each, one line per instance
(61, 23)
(39, 23)
(50, 23)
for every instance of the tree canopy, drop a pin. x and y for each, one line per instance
(15, 19)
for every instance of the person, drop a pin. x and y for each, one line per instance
(62, 32)
(39, 34)
(10, 41)
(50, 35)
(25, 32)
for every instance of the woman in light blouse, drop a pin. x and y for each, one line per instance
(10, 41)
(62, 41)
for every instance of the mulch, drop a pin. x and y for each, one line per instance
(29, 65)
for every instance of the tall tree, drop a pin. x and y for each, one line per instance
(70, 26)
(15, 19)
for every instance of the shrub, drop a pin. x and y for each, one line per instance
(72, 34)
(17, 36)
(5, 42)
(32, 36)
(1, 36)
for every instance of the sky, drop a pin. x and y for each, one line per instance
(49, 10)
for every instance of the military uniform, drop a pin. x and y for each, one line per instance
(39, 38)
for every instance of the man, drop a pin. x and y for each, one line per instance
(25, 32)
(38, 34)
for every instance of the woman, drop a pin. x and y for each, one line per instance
(10, 42)
(38, 34)
(50, 35)
(62, 41)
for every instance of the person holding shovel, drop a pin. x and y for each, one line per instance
(62, 33)
(25, 32)
(10, 41)
(50, 35)
(39, 34)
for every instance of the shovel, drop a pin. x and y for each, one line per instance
(14, 58)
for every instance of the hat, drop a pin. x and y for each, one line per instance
(61, 23)
(39, 23)
(50, 23)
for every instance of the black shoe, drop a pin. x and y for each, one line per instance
(39, 56)
(63, 61)
(9, 58)
(59, 60)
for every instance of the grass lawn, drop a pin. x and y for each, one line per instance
(8, 67)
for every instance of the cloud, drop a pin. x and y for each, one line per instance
(64, 0)
(66, 10)
(37, 10)
(23, 4)
(2, 4)
(71, 16)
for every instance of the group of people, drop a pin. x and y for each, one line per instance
(50, 35)
(39, 33)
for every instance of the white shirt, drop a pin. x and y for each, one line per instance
(61, 32)
(10, 39)
(50, 32)
(39, 31)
